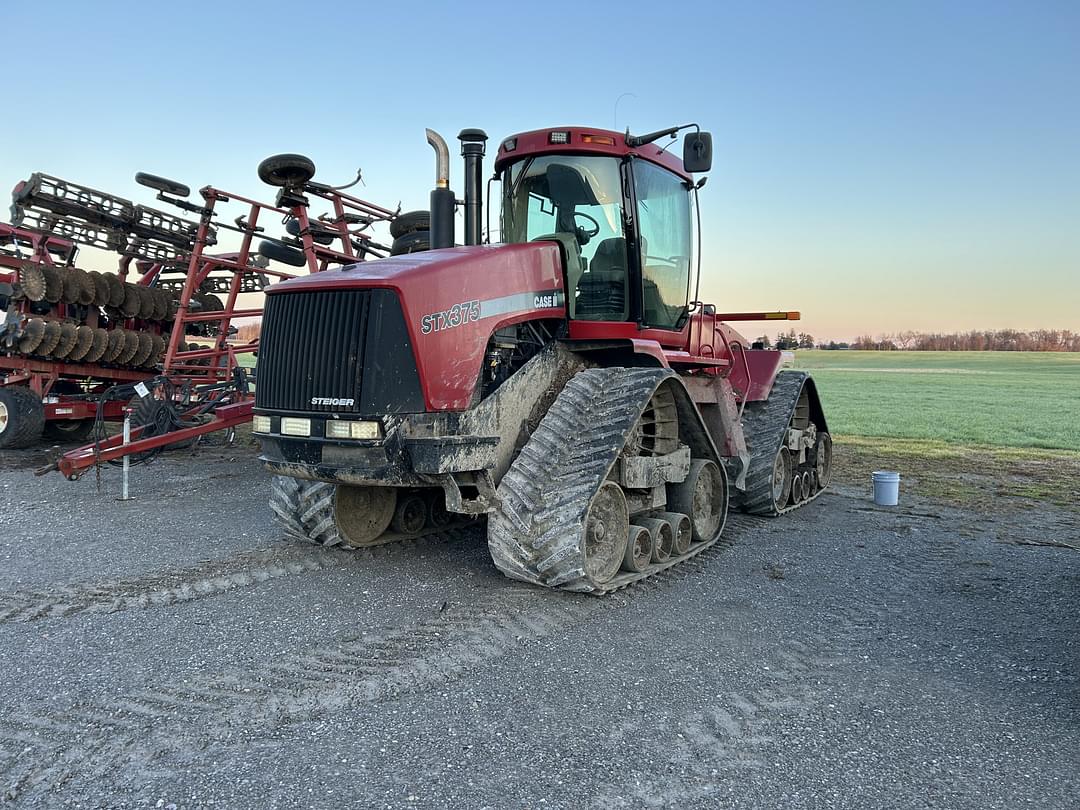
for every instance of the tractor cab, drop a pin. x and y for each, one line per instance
(620, 208)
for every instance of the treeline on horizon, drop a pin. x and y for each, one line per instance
(992, 340)
(989, 340)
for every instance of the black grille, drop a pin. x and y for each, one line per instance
(336, 344)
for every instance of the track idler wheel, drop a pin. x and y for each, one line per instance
(639, 549)
(823, 459)
(682, 532)
(663, 539)
(362, 514)
(410, 515)
(703, 497)
(607, 524)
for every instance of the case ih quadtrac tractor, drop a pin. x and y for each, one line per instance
(565, 382)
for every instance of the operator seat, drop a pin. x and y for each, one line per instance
(601, 292)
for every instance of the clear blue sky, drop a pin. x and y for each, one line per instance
(877, 165)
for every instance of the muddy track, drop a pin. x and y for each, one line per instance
(204, 579)
(41, 753)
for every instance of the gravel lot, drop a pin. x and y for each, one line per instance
(174, 651)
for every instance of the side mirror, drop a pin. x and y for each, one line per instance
(697, 152)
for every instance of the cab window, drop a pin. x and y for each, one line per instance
(664, 221)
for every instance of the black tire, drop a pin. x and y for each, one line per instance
(411, 243)
(321, 235)
(282, 253)
(22, 417)
(162, 184)
(410, 222)
(69, 430)
(305, 510)
(286, 170)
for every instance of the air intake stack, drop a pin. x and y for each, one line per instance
(472, 149)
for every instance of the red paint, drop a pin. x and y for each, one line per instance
(537, 142)
(449, 361)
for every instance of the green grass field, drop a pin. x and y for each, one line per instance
(997, 399)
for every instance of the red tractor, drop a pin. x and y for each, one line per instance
(565, 382)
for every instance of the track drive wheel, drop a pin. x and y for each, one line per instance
(22, 416)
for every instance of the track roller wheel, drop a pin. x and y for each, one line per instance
(808, 483)
(69, 430)
(639, 549)
(410, 515)
(703, 497)
(663, 539)
(116, 290)
(50, 340)
(54, 284)
(98, 346)
(68, 335)
(32, 282)
(33, 334)
(682, 532)
(796, 488)
(823, 459)
(84, 339)
(607, 525)
(22, 416)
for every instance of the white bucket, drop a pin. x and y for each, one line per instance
(886, 488)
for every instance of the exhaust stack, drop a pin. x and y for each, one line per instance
(472, 149)
(442, 198)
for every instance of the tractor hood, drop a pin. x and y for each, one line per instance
(452, 301)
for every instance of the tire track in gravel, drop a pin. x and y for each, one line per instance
(40, 755)
(204, 579)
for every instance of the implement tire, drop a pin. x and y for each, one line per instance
(22, 417)
(69, 430)
(410, 222)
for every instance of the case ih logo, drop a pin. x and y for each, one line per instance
(345, 403)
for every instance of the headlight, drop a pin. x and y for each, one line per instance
(291, 426)
(261, 424)
(339, 429)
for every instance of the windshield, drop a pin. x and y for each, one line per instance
(576, 201)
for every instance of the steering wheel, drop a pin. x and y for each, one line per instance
(589, 233)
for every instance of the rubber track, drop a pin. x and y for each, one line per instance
(305, 510)
(535, 532)
(764, 424)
